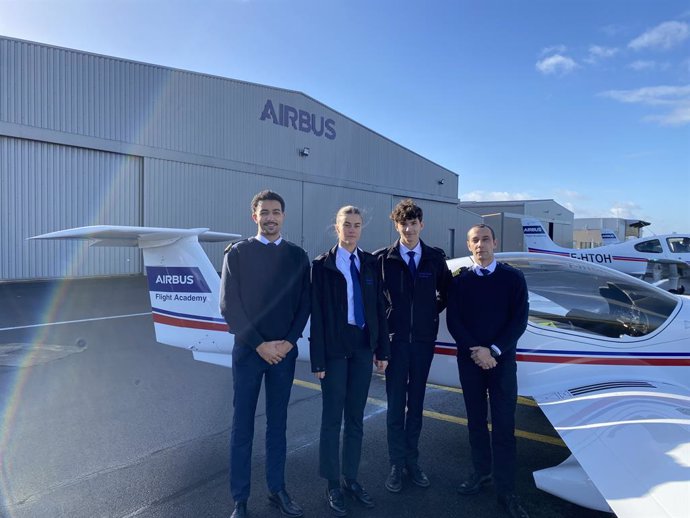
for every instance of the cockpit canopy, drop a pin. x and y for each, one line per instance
(584, 297)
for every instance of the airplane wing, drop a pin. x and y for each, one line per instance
(118, 235)
(632, 439)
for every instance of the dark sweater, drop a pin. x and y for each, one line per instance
(264, 292)
(486, 310)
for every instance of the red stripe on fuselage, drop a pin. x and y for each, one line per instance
(194, 324)
(591, 360)
(588, 360)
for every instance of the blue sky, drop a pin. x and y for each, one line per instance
(586, 102)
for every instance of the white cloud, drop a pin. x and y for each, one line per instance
(641, 65)
(675, 98)
(680, 116)
(664, 36)
(599, 53)
(556, 49)
(495, 196)
(651, 95)
(625, 209)
(556, 64)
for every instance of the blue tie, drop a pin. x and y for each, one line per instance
(412, 264)
(356, 293)
(485, 271)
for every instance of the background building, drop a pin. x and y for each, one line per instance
(587, 231)
(504, 218)
(88, 139)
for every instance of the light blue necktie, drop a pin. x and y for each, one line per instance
(356, 293)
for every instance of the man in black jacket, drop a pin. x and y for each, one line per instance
(264, 297)
(415, 278)
(487, 313)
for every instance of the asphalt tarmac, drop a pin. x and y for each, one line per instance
(99, 420)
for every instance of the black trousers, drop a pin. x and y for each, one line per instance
(501, 385)
(344, 395)
(406, 375)
(248, 372)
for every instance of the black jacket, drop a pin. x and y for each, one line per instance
(329, 309)
(414, 304)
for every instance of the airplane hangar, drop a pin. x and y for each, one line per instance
(87, 139)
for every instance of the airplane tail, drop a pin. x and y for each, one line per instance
(537, 240)
(183, 284)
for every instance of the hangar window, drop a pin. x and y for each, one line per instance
(585, 298)
(653, 246)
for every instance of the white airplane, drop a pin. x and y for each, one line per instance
(663, 260)
(606, 356)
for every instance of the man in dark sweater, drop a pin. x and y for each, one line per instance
(487, 313)
(415, 280)
(264, 297)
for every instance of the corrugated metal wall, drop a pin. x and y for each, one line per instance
(321, 204)
(192, 196)
(109, 98)
(46, 187)
(163, 147)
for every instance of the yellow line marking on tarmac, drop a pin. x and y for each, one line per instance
(450, 418)
(521, 400)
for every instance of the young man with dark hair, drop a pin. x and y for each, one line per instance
(415, 279)
(264, 297)
(487, 313)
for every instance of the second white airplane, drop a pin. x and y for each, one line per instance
(662, 260)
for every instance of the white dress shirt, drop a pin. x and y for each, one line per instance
(417, 253)
(342, 261)
(267, 241)
(477, 267)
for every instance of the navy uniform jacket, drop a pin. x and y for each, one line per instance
(329, 309)
(414, 305)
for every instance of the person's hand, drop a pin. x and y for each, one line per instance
(482, 357)
(284, 347)
(381, 365)
(320, 375)
(270, 352)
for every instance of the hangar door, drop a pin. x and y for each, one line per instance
(46, 187)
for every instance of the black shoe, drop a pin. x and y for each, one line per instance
(358, 493)
(394, 480)
(287, 505)
(511, 503)
(474, 484)
(240, 510)
(336, 501)
(418, 476)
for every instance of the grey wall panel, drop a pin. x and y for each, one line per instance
(190, 196)
(206, 116)
(43, 188)
(177, 148)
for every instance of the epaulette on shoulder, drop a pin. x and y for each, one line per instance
(232, 243)
(440, 251)
(460, 270)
